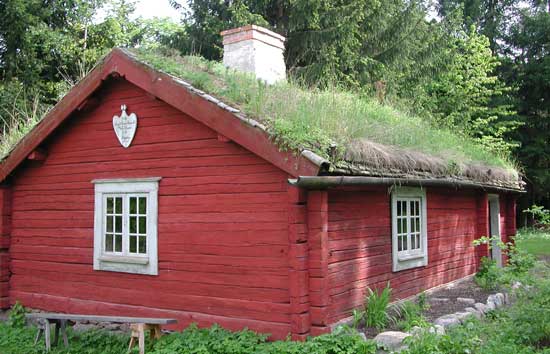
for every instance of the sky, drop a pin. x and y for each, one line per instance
(148, 9)
(156, 8)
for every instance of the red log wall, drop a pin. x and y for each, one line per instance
(5, 230)
(359, 243)
(223, 223)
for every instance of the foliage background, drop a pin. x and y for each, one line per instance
(478, 67)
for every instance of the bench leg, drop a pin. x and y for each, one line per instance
(56, 332)
(38, 334)
(47, 336)
(63, 326)
(141, 339)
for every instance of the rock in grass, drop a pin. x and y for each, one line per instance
(463, 316)
(473, 311)
(481, 307)
(392, 340)
(447, 321)
(437, 329)
(465, 300)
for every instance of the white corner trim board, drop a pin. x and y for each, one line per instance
(125, 225)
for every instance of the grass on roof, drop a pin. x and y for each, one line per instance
(299, 118)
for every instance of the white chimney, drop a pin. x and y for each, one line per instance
(256, 50)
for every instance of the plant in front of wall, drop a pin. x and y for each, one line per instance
(16, 318)
(376, 308)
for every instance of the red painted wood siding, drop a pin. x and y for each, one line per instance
(360, 244)
(223, 222)
(5, 231)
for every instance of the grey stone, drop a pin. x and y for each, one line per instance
(437, 329)
(516, 285)
(447, 321)
(392, 340)
(490, 305)
(496, 299)
(482, 308)
(363, 336)
(416, 330)
(463, 316)
(474, 312)
(466, 300)
(438, 300)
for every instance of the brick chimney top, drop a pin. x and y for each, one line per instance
(256, 50)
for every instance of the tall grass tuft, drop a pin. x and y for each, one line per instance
(376, 308)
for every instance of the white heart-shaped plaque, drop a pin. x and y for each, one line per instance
(125, 127)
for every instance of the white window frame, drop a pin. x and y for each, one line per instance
(409, 259)
(124, 261)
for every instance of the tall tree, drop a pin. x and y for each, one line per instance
(530, 40)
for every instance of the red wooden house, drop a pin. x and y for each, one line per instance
(196, 214)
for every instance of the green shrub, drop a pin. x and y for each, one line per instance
(17, 316)
(376, 308)
(541, 216)
(489, 274)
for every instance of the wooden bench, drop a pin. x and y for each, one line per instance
(138, 325)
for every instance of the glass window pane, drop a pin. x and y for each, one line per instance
(142, 225)
(109, 224)
(118, 243)
(118, 205)
(404, 221)
(133, 205)
(143, 244)
(133, 224)
(143, 205)
(118, 223)
(398, 208)
(417, 208)
(405, 246)
(417, 225)
(109, 205)
(413, 242)
(109, 243)
(404, 208)
(133, 244)
(399, 227)
(417, 241)
(399, 243)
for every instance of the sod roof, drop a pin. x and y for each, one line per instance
(344, 133)
(355, 134)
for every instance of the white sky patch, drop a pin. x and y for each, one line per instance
(147, 9)
(156, 8)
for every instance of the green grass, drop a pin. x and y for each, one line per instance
(534, 241)
(299, 117)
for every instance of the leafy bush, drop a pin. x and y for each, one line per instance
(216, 340)
(21, 341)
(376, 308)
(489, 274)
(17, 316)
(541, 216)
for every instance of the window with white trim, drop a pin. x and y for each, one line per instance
(125, 225)
(409, 236)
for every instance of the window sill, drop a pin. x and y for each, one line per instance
(406, 257)
(124, 259)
